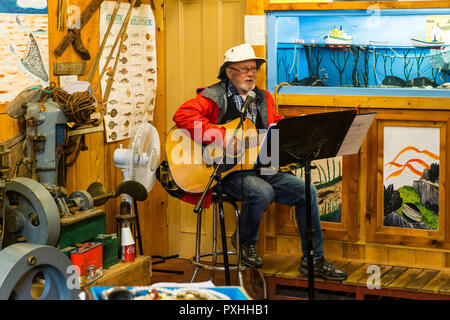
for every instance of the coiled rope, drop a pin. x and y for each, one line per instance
(77, 106)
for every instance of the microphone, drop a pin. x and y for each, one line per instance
(250, 97)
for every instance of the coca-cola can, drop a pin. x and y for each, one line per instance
(128, 253)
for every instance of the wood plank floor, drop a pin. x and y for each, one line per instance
(395, 281)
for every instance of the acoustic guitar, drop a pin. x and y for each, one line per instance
(191, 163)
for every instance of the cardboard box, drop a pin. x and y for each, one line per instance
(89, 260)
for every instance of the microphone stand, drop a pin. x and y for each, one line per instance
(216, 176)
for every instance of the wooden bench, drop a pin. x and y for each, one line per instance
(395, 281)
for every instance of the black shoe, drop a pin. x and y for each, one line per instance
(249, 255)
(323, 269)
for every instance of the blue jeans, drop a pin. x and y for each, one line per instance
(260, 191)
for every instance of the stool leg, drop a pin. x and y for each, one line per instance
(238, 248)
(214, 242)
(197, 244)
(224, 243)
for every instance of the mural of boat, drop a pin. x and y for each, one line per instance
(434, 44)
(411, 212)
(379, 43)
(338, 38)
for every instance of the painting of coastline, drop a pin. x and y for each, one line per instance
(411, 177)
(23, 46)
(327, 178)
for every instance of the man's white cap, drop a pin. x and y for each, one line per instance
(239, 53)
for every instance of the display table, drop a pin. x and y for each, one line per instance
(138, 273)
(155, 292)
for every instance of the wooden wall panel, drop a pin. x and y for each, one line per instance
(350, 4)
(373, 244)
(198, 34)
(404, 249)
(9, 127)
(96, 164)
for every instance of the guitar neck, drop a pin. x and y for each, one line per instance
(253, 141)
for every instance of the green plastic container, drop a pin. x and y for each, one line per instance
(110, 249)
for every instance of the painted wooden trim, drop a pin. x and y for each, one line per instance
(268, 6)
(381, 102)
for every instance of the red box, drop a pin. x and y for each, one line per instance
(89, 260)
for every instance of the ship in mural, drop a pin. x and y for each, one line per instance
(337, 38)
(428, 44)
(376, 43)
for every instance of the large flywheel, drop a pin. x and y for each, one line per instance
(36, 272)
(31, 215)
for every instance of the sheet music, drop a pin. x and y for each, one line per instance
(356, 134)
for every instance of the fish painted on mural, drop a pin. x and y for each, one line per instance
(32, 61)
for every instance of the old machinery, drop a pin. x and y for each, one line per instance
(34, 206)
(31, 214)
(31, 271)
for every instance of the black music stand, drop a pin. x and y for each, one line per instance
(303, 139)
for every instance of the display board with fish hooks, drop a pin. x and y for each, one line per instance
(133, 93)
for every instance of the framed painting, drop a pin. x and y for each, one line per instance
(411, 177)
(406, 199)
(327, 178)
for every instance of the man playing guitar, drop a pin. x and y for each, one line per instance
(207, 113)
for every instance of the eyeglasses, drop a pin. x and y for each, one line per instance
(245, 70)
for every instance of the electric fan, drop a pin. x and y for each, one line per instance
(139, 163)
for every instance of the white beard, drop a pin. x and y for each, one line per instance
(244, 88)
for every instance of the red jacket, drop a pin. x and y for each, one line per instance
(205, 109)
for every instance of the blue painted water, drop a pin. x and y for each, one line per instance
(362, 66)
(297, 52)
